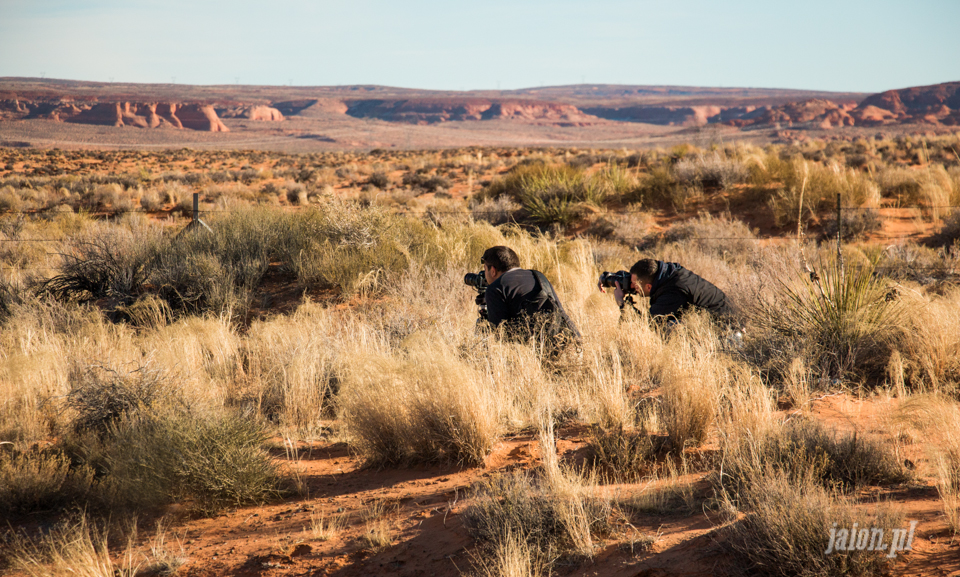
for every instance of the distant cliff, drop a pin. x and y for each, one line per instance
(433, 110)
(137, 114)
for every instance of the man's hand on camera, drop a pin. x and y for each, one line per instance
(618, 294)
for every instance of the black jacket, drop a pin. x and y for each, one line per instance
(675, 290)
(525, 301)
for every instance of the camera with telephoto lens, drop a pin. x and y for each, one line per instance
(479, 282)
(607, 279)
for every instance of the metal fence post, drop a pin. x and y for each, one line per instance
(839, 233)
(195, 222)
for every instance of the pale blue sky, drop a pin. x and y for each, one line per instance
(843, 45)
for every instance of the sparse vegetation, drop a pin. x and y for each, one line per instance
(144, 369)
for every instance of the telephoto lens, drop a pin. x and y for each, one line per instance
(607, 279)
(476, 280)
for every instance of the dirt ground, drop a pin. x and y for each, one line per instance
(423, 508)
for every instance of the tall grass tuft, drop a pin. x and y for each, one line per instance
(427, 406)
(803, 450)
(786, 529)
(939, 417)
(78, 548)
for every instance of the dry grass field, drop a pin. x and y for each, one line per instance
(300, 387)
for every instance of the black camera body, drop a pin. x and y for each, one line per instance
(479, 282)
(607, 279)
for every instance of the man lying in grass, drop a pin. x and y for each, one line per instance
(672, 290)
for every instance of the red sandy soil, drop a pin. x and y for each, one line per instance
(425, 507)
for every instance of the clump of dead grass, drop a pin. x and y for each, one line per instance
(423, 406)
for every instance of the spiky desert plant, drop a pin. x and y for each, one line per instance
(843, 312)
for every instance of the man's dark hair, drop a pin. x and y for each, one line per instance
(645, 269)
(501, 258)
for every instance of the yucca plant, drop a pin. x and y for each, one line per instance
(846, 315)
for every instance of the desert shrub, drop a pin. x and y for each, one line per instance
(624, 455)
(101, 396)
(691, 386)
(629, 228)
(426, 182)
(291, 367)
(150, 200)
(616, 181)
(787, 526)
(548, 194)
(351, 247)
(217, 270)
(515, 505)
(10, 200)
(72, 547)
(380, 180)
(211, 460)
(795, 187)
(521, 507)
(719, 236)
(856, 224)
(658, 187)
(939, 417)
(804, 450)
(496, 211)
(106, 261)
(843, 314)
(510, 555)
(914, 262)
(711, 171)
(39, 479)
(426, 407)
(928, 352)
(949, 232)
(296, 193)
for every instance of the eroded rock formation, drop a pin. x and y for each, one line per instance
(664, 115)
(254, 112)
(137, 114)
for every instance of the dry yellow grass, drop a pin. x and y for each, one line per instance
(402, 375)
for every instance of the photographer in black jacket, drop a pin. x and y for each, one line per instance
(524, 301)
(672, 290)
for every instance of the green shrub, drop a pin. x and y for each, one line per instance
(548, 194)
(207, 461)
